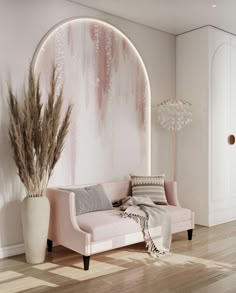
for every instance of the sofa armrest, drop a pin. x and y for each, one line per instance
(63, 227)
(171, 193)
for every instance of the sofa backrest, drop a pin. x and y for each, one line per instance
(116, 190)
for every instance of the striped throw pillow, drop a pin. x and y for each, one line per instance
(152, 186)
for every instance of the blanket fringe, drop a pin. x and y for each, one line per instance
(143, 221)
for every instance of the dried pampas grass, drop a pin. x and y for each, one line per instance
(37, 133)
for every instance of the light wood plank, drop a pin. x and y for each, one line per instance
(205, 264)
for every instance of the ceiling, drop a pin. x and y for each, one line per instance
(172, 16)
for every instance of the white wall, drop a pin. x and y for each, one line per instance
(22, 25)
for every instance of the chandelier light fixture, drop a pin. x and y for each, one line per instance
(173, 115)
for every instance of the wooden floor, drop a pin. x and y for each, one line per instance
(206, 264)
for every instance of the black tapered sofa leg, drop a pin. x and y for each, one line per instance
(49, 243)
(190, 234)
(86, 260)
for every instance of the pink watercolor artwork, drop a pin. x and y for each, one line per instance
(103, 76)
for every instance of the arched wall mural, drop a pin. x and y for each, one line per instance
(105, 79)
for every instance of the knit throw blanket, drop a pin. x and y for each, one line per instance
(154, 220)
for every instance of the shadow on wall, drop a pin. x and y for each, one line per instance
(11, 190)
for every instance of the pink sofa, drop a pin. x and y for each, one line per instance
(99, 231)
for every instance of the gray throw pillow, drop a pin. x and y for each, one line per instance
(90, 199)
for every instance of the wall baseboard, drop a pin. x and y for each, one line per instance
(16, 249)
(12, 250)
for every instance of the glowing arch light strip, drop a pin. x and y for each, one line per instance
(49, 37)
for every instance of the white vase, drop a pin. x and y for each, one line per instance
(35, 220)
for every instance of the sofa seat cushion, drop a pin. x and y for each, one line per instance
(103, 225)
(106, 224)
(178, 214)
